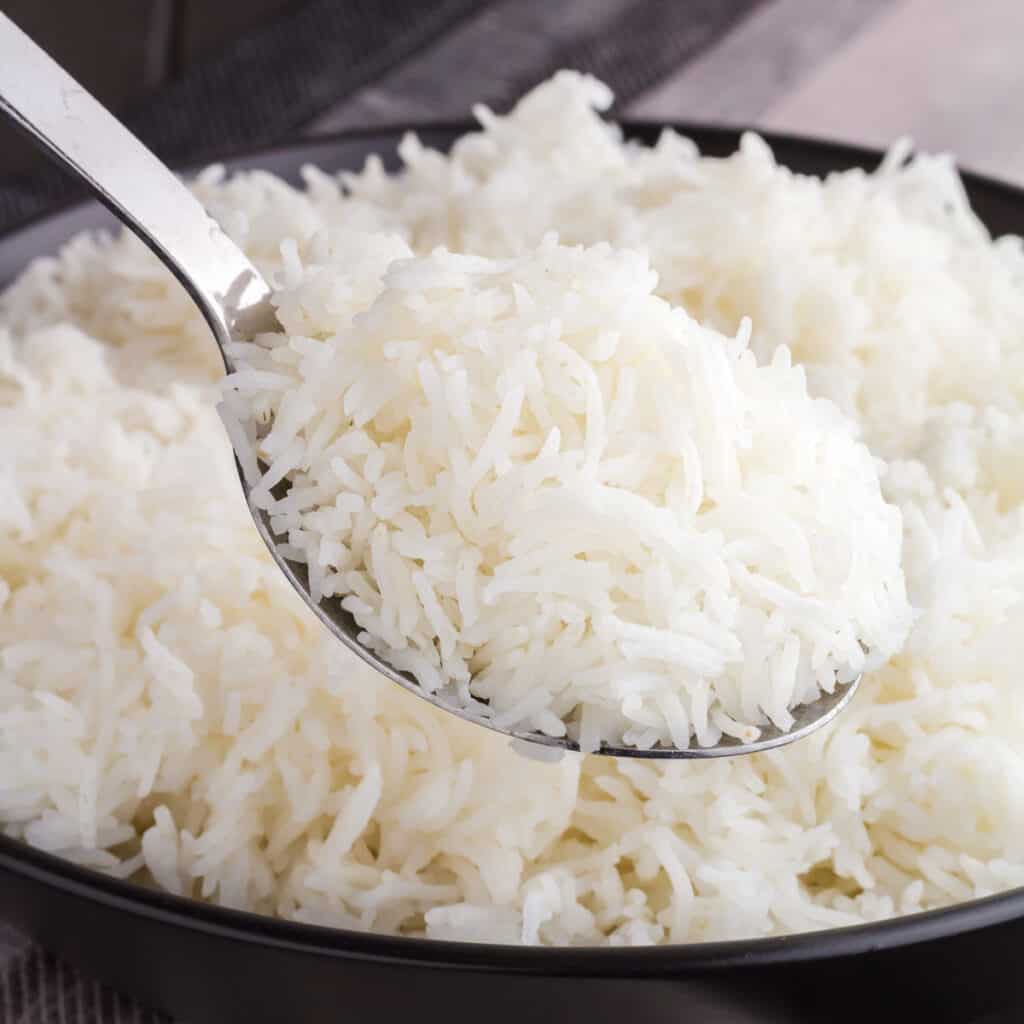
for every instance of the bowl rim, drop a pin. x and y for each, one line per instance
(52, 872)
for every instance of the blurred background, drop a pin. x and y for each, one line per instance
(195, 78)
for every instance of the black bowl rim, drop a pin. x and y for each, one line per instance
(50, 871)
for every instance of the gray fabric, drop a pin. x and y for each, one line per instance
(429, 69)
(320, 51)
(630, 44)
(323, 52)
(36, 988)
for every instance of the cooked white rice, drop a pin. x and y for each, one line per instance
(540, 486)
(168, 709)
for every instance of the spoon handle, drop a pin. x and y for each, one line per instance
(82, 135)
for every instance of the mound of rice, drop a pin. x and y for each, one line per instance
(543, 487)
(170, 711)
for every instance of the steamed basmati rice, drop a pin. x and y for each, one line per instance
(536, 484)
(170, 711)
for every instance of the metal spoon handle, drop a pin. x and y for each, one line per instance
(72, 126)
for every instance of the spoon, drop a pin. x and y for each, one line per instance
(78, 133)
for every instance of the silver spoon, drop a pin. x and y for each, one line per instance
(81, 135)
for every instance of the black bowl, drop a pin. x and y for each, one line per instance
(205, 963)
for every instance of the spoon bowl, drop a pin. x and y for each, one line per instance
(78, 133)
